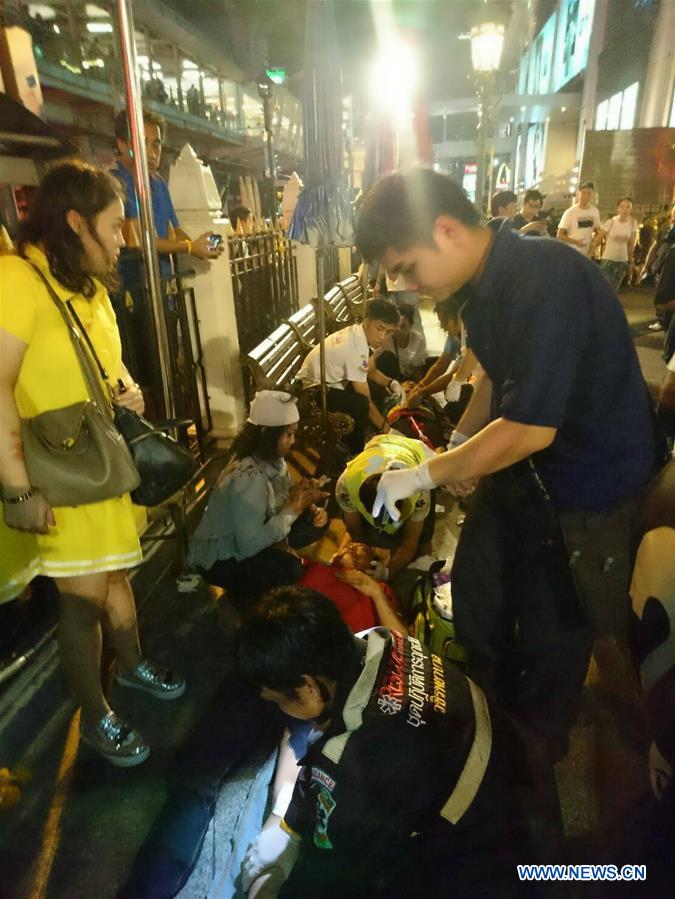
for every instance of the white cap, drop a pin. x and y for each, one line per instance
(273, 409)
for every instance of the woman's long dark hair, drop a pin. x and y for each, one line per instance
(257, 440)
(70, 185)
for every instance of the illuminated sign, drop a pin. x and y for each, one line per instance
(560, 50)
(278, 76)
(573, 37)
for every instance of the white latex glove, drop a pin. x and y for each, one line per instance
(453, 391)
(457, 439)
(399, 484)
(272, 848)
(397, 390)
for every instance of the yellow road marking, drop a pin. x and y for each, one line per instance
(51, 834)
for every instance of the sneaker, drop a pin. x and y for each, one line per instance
(116, 741)
(161, 683)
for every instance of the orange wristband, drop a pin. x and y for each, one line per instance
(189, 247)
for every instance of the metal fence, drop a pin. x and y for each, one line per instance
(265, 283)
(139, 350)
(331, 269)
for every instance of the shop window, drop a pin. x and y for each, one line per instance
(618, 112)
(629, 106)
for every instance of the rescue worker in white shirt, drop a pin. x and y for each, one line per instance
(412, 785)
(355, 492)
(349, 366)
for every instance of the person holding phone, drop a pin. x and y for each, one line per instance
(256, 514)
(170, 239)
(169, 236)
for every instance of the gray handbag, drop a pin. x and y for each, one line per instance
(75, 455)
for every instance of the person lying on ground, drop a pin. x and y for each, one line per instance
(256, 515)
(362, 601)
(424, 421)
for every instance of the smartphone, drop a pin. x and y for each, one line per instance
(213, 241)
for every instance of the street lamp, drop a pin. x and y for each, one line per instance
(487, 42)
(265, 83)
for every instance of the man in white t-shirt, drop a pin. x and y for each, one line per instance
(349, 366)
(581, 222)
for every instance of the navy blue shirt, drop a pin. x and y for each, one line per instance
(553, 338)
(163, 212)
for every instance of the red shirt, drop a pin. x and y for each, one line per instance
(357, 611)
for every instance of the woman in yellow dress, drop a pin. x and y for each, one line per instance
(73, 236)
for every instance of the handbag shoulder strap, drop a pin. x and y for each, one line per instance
(91, 380)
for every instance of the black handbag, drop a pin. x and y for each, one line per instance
(164, 466)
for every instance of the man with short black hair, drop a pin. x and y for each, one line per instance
(504, 204)
(528, 221)
(580, 224)
(349, 367)
(412, 785)
(169, 236)
(558, 429)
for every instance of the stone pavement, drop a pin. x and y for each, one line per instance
(80, 822)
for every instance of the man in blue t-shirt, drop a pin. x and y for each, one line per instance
(558, 430)
(170, 238)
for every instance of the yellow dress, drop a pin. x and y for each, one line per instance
(86, 539)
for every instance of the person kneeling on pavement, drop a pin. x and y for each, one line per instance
(413, 785)
(356, 488)
(351, 371)
(256, 516)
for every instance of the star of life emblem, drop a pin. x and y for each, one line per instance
(390, 705)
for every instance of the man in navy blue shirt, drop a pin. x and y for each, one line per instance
(558, 431)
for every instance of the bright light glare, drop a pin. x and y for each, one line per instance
(99, 27)
(487, 41)
(394, 77)
(394, 80)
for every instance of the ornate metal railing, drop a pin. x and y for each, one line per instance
(139, 349)
(265, 283)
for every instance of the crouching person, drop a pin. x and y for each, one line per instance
(256, 516)
(411, 535)
(412, 787)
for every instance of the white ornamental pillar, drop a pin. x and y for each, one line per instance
(195, 198)
(306, 259)
(344, 262)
